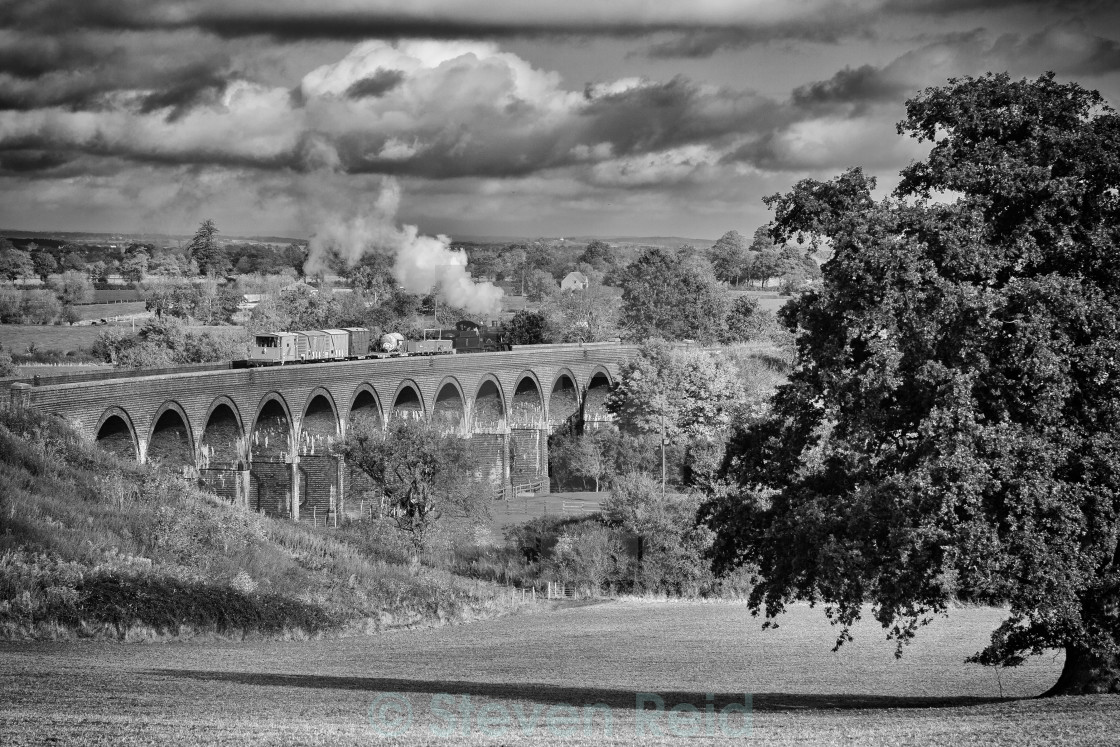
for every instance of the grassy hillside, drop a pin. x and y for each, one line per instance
(94, 547)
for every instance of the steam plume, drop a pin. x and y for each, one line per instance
(421, 263)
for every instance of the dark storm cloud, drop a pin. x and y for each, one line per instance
(81, 71)
(663, 115)
(695, 33)
(378, 84)
(1066, 48)
(203, 88)
(840, 22)
(705, 43)
(863, 85)
(942, 7)
(294, 22)
(179, 89)
(64, 16)
(32, 56)
(17, 95)
(358, 26)
(31, 160)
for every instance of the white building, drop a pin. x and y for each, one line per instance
(574, 280)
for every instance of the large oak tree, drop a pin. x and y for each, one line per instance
(952, 426)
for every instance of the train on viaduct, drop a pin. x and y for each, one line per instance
(261, 437)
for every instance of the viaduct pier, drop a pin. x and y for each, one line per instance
(261, 437)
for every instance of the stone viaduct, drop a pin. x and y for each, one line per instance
(261, 437)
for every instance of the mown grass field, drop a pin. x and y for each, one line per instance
(516, 675)
(16, 337)
(110, 310)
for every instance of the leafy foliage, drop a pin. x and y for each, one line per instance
(672, 545)
(527, 328)
(575, 458)
(730, 257)
(672, 295)
(686, 392)
(423, 472)
(72, 287)
(15, 263)
(952, 425)
(590, 315)
(205, 250)
(166, 342)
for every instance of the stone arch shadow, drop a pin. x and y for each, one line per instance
(320, 481)
(528, 430)
(450, 405)
(364, 402)
(116, 433)
(271, 447)
(172, 445)
(408, 401)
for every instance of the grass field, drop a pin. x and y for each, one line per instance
(16, 337)
(768, 300)
(109, 310)
(520, 510)
(516, 675)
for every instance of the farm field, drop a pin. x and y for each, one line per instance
(109, 310)
(61, 337)
(521, 676)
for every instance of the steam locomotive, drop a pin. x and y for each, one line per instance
(359, 343)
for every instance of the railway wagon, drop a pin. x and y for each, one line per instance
(359, 341)
(273, 347)
(312, 345)
(339, 344)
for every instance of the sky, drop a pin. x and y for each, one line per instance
(495, 118)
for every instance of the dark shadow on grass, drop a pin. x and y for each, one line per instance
(547, 694)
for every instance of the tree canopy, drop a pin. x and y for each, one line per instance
(951, 429)
(204, 250)
(15, 263)
(527, 328)
(689, 393)
(673, 295)
(730, 257)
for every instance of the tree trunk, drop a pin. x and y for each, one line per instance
(1085, 673)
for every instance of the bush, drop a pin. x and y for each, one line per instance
(39, 307)
(11, 306)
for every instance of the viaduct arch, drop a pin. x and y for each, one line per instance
(262, 437)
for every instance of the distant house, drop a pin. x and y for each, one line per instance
(574, 280)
